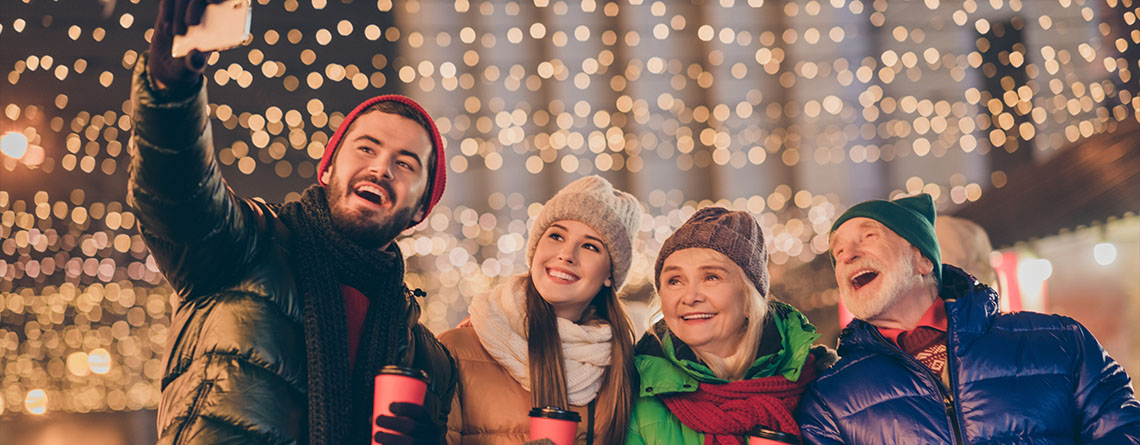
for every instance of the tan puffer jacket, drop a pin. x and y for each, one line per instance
(490, 407)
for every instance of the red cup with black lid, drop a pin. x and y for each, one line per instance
(396, 384)
(761, 435)
(556, 424)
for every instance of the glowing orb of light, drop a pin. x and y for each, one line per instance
(1104, 253)
(36, 402)
(14, 144)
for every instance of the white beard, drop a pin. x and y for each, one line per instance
(896, 280)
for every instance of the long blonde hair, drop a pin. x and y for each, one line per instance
(733, 367)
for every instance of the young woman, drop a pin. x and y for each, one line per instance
(557, 335)
(724, 358)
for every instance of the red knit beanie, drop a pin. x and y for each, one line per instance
(438, 182)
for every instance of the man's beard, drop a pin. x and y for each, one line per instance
(361, 226)
(898, 279)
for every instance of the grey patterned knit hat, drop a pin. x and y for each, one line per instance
(593, 201)
(736, 234)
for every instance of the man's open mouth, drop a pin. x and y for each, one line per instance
(372, 193)
(863, 278)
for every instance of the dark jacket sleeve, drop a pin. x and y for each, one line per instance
(200, 234)
(817, 424)
(1109, 410)
(424, 351)
(444, 377)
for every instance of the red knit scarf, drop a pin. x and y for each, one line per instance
(725, 412)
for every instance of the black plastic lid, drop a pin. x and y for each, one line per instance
(407, 372)
(552, 412)
(765, 433)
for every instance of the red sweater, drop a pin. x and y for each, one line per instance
(355, 306)
(927, 341)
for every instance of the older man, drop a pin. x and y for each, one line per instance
(930, 360)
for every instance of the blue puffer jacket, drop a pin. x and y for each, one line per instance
(1016, 378)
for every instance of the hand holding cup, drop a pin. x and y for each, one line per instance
(397, 407)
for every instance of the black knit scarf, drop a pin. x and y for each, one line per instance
(340, 399)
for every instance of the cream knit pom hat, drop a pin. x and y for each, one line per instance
(593, 201)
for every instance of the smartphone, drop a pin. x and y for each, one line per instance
(224, 25)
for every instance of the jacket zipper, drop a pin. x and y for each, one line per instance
(951, 410)
(947, 401)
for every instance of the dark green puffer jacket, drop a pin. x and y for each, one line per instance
(235, 366)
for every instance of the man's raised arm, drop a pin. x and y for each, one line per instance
(197, 230)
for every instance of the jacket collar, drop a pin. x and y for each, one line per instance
(667, 365)
(970, 308)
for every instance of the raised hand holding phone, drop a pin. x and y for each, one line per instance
(223, 26)
(176, 18)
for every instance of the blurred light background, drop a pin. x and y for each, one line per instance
(1020, 115)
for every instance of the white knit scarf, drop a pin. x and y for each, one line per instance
(499, 319)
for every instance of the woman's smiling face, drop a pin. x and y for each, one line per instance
(703, 300)
(569, 267)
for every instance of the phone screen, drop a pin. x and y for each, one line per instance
(224, 25)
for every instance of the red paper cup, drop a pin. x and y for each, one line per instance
(764, 436)
(558, 425)
(396, 384)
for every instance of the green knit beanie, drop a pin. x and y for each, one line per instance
(912, 218)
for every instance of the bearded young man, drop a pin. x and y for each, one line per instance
(930, 360)
(287, 312)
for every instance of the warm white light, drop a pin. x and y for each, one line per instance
(1104, 253)
(77, 363)
(99, 361)
(36, 402)
(1035, 270)
(1031, 276)
(14, 144)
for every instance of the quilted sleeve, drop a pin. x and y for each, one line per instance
(200, 234)
(817, 424)
(1109, 411)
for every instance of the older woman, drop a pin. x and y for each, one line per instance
(556, 335)
(724, 358)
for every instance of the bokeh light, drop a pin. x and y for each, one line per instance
(14, 144)
(36, 402)
(1104, 253)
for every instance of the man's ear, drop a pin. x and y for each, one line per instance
(923, 266)
(425, 199)
(327, 175)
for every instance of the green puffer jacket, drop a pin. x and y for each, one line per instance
(665, 366)
(235, 366)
